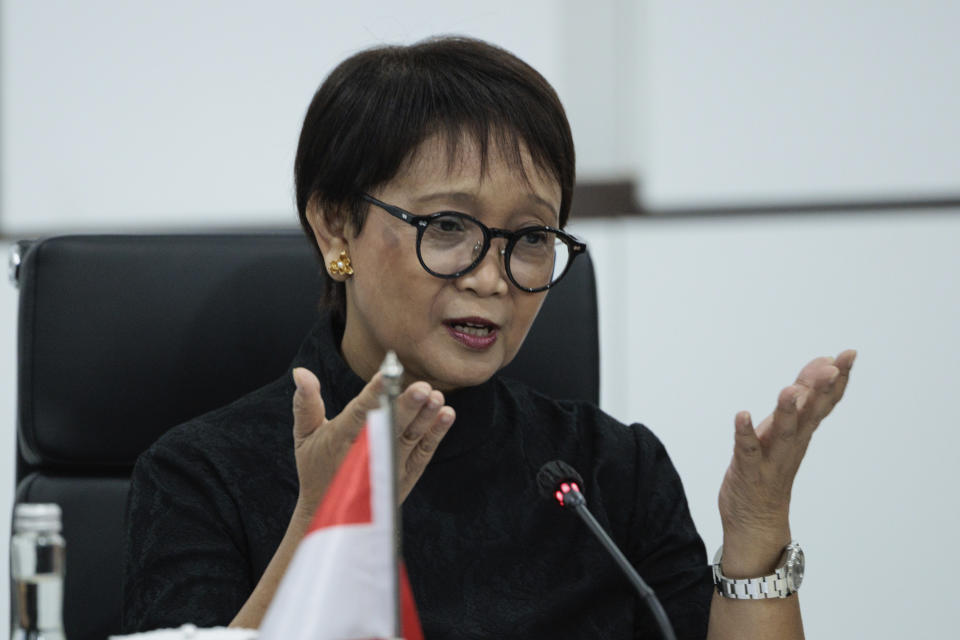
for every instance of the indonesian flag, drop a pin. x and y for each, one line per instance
(342, 581)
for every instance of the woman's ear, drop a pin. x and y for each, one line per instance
(329, 230)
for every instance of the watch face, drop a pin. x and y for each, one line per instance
(795, 567)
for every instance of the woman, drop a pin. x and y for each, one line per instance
(434, 181)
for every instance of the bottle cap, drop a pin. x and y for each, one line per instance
(36, 517)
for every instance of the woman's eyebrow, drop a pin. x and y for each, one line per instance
(461, 197)
(466, 198)
(543, 202)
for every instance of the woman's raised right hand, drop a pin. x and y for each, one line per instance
(320, 444)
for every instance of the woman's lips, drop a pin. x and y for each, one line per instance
(473, 333)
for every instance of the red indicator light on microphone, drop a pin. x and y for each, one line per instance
(559, 496)
(575, 487)
(565, 487)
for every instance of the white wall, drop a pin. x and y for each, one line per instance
(154, 115)
(120, 116)
(600, 86)
(183, 114)
(148, 115)
(756, 101)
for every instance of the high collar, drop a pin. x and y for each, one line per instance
(339, 384)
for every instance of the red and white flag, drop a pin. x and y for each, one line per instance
(342, 581)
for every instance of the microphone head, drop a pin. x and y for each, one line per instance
(555, 474)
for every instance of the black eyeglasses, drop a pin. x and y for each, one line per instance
(451, 244)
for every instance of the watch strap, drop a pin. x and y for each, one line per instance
(775, 585)
(772, 586)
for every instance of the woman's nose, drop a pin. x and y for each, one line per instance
(490, 276)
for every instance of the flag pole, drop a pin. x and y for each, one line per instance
(392, 372)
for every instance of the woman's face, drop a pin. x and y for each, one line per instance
(393, 303)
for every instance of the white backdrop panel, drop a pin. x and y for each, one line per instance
(152, 115)
(751, 101)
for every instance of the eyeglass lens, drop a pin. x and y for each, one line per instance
(450, 244)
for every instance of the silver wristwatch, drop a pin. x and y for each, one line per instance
(784, 582)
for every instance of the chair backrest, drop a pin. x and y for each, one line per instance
(122, 337)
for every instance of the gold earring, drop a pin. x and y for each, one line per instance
(341, 266)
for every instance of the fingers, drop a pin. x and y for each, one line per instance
(320, 444)
(817, 397)
(832, 391)
(308, 409)
(844, 363)
(422, 421)
(424, 449)
(354, 415)
(786, 417)
(746, 444)
(753, 498)
(412, 430)
(759, 481)
(824, 380)
(418, 397)
(416, 457)
(814, 370)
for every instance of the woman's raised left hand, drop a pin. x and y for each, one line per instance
(754, 498)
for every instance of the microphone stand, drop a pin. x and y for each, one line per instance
(576, 501)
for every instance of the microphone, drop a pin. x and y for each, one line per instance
(560, 483)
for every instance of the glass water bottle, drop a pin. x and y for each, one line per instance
(36, 567)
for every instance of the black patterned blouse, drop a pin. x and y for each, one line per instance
(487, 556)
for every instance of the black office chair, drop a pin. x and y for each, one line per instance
(123, 337)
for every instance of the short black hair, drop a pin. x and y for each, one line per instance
(376, 108)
